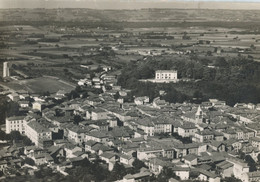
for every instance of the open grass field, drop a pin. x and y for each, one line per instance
(42, 84)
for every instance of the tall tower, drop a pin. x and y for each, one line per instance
(6, 72)
(199, 115)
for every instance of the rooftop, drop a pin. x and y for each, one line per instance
(166, 71)
(38, 127)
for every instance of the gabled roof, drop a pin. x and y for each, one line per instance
(205, 167)
(190, 157)
(188, 126)
(207, 173)
(216, 143)
(53, 149)
(90, 143)
(205, 132)
(98, 134)
(107, 155)
(78, 153)
(224, 165)
(100, 146)
(128, 157)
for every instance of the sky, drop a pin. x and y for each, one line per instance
(132, 4)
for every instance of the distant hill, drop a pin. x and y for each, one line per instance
(144, 15)
(130, 4)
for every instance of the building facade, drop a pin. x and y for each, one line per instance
(36, 132)
(15, 124)
(166, 76)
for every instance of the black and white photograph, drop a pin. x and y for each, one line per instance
(130, 90)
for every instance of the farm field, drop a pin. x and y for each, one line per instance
(67, 38)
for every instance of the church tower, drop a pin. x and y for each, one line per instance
(6, 72)
(199, 115)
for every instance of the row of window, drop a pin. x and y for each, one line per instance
(166, 77)
(14, 122)
(166, 74)
(16, 126)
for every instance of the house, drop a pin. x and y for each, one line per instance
(225, 169)
(141, 100)
(14, 97)
(244, 133)
(39, 159)
(108, 157)
(203, 136)
(127, 159)
(191, 159)
(187, 130)
(101, 125)
(16, 123)
(217, 146)
(93, 100)
(98, 136)
(159, 104)
(146, 125)
(240, 167)
(182, 172)
(149, 152)
(38, 105)
(89, 144)
(37, 132)
(121, 133)
(255, 142)
(98, 114)
(162, 125)
(76, 134)
(142, 176)
(156, 165)
(166, 76)
(70, 149)
(182, 150)
(100, 148)
(208, 176)
(56, 152)
(23, 103)
(230, 134)
(112, 122)
(218, 136)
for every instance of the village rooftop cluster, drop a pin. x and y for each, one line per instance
(204, 139)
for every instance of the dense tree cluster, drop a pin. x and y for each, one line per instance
(233, 80)
(15, 136)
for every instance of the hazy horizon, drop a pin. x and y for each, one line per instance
(133, 4)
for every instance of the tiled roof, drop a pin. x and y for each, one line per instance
(38, 127)
(224, 165)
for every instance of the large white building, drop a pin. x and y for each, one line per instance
(36, 132)
(16, 123)
(166, 76)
